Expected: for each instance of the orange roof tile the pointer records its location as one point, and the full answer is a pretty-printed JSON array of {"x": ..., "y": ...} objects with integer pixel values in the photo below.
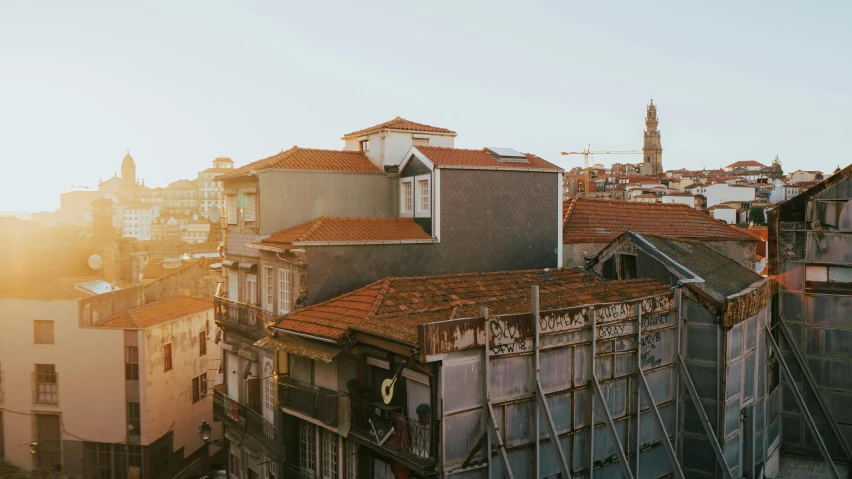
[
  {"x": 601, "y": 221},
  {"x": 399, "y": 123},
  {"x": 441, "y": 156},
  {"x": 744, "y": 163},
  {"x": 157, "y": 313},
  {"x": 325, "y": 229},
  {"x": 310, "y": 159},
  {"x": 393, "y": 307}
]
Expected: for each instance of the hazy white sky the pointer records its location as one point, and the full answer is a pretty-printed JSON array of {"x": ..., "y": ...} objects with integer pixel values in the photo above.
[{"x": 179, "y": 82}]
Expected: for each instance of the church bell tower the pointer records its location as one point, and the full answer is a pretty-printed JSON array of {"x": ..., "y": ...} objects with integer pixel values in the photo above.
[{"x": 652, "y": 149}]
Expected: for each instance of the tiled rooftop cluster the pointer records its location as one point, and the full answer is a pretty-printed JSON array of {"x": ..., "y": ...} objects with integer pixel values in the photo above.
[{"x": 601, "y": 221}]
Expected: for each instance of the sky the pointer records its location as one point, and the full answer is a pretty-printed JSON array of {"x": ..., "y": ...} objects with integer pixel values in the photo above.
[{"x": 180, "y": 83}]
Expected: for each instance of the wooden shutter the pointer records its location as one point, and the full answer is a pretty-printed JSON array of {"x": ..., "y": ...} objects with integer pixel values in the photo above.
[
  {"x": 231, "y": 209},
  {"x": 249, "y": 208},
  {"x": 253, "y": 386}
]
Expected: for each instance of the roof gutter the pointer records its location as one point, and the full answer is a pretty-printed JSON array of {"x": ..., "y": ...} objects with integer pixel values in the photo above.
[
  {"x": 305, "y": 335},
  {"x": 501, "y": 168}
]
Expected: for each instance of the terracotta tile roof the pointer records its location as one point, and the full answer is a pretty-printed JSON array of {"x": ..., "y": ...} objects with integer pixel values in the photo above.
[
  {"x": 678, "y": 193},
  {"x": 326, "y": 229},
  {"x": 399, "y": 123},
  {"x": 744, "y": 163},
  {"x": 393, "y": 307},
  {"x": 53, "y": 289},
  {"x": 601, "y": 221},
  {"x": 441, "y": 156},
  {"x": 310, "y": 159},
  {"x": 158, "y": 313}
]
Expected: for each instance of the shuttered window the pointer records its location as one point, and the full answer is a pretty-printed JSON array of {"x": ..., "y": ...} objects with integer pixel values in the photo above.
[
  {"x": 231, "y": 209},
  {"x": 249, "y": 208}
]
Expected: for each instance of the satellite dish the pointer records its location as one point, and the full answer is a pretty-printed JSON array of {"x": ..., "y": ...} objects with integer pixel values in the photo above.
[
  {"x": 213, "y": 215},
  {"x": 95, "y": 262}
]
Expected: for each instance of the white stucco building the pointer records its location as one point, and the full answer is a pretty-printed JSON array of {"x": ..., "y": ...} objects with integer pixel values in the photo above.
[
  {"x": 386, "y": 144},
  {"x": 718, "y": 193},
  {"x": 209, "y": 195},
  {"x": 726, "y": 213},
  {"x": 680, "y": 199},
  {"x": 136, "y": 219}
]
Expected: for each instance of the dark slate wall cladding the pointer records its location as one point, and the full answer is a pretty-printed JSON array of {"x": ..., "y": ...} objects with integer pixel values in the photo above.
[
  {"x": 413, "y": 168},
  {"x": 490, "y": 221}
]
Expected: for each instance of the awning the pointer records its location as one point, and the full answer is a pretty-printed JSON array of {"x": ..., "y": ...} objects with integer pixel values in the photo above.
[
  {"x": 230, "y": 264},
  {"x": 324, "y": 352},
  {"x": 250, "y": 267}
]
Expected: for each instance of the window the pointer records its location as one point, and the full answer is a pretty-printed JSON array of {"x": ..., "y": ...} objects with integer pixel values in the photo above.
[
  {"x": 628, "y": 266},
  {"x": 329, "y": 453},
  {"x": 351, "y": 451},
  {"x": 420, "y": 141},
  {"x": 134, "y": 419},
  {"x": 251, "y": 288},
  {"x": 307, "y": 447},
  {"x": 283, "y": 291},
  {"x": 43, "y": 332},
  {"x": 249, "y": 208},
  {"x": 196, "y": 390},
  {"x": 202, "y": 386},
  {"x": 269, "y": 287},
  {"x": 202, "y": 343},
  {"x": 364, "y": 145},
  {"x": 235, "y": 469},
  {"x": 269, "y": 394},
  {"x": 47, "y": 390},
  {"x": 131, "y": 363},
  {"x": 167, "y": 357},
  {"x": 231, "y": 209},
  {"x": 423, "y": 196},
  {"x": 406, "y": 197}
]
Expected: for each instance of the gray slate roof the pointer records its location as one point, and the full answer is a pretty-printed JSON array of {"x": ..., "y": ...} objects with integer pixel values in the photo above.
[{"x": 722, "y": 276}]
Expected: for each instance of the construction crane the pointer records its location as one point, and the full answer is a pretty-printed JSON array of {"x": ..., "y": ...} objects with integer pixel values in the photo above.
[{"x": 586, "y": 153}]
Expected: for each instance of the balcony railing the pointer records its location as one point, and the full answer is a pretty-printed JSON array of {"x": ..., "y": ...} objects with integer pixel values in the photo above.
[
  {"x": 396, "y": 432},
  {"x": 247, "y": 318},
  {"x": 242, "y": 417},
  {"x": 292, "y": 471},
  {"x": 313, "y": 401}
]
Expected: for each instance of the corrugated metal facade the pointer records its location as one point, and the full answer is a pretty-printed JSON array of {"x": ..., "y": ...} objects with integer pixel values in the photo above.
[{"x": 811, "y": 251}]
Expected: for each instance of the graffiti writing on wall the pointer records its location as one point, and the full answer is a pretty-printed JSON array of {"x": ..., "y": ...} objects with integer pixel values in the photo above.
[{"x": 649, "y": 349}]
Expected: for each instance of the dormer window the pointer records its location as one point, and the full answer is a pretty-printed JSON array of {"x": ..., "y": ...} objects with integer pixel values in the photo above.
[
  {"x": 364, "y": 145},
  {"x": 420, "y": 141},
  {"x": 406, "y": 197}
]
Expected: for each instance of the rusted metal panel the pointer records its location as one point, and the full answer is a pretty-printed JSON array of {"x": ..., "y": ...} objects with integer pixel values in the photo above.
[{"x": 748, "y": 303}]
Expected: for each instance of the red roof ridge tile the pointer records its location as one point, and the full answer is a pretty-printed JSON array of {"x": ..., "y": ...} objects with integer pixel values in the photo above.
[{"x": 400, "y": 123}]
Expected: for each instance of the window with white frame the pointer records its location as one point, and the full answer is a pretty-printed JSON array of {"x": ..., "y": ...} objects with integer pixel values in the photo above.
[
  {"x": 269, "y": 288},
  {"x": 351, "y": 451},
  {"x": 283, "y": 291},
  {"x": 307, "y": 447},
  {"x": 328, "y": 448},
  {"x": 269, "y": 393},
  {"x": 251, "y": 288},
  {"x": 406, "y": 197},
  {"x": 423, "y": 196}
]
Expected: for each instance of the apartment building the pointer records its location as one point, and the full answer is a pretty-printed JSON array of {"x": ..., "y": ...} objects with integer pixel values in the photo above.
[
  {"x": 389, "y": 204},
  {"x": 125, "y": 408}
]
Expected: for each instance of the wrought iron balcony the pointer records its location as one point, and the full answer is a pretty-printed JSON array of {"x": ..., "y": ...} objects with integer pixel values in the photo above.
[
  {"x": 239, "y": 416},
  {"x": 292, "y": 471},
  {"x": 389, "y": 428},
  {"x": 310, "y": 400},
  {"x": 246, "y": 318}
]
